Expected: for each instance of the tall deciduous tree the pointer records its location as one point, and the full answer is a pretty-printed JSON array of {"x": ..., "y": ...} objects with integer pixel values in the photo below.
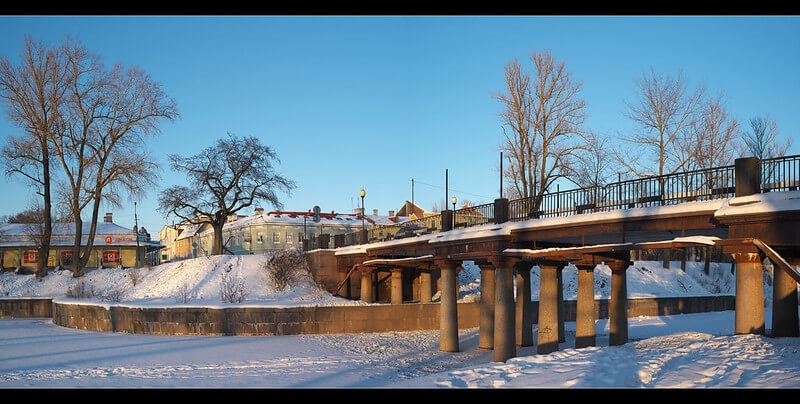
[
  {"x": 542, "y": 120},
  {"x": 223, "y": 179},
  {"x": 91, "y": 122},
  {"x": 102, "y": 147},
  {"x": 33, "y": 93},
  {"x": 716, "y": 135},
  {"x": 761, "y": 140},
  {"x": 665, "y": 114}
]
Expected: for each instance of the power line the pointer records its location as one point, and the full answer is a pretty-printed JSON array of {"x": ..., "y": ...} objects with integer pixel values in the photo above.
[{"x": 416, "y": 181}]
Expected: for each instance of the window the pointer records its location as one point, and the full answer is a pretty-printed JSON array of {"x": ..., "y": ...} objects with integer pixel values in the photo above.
[
  {"x": 276, "y": 237},
  {"x": 110, "y": 257},
  {"x": 300, "y": 237},
  {"x": 260, "y": 238},
  {"x": 30, "y": 257},
  {"x": 288, "y": 237},
  {"x": 66, "y": 257}
]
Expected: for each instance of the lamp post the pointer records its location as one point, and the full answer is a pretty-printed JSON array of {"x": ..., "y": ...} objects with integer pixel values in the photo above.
[
  {"x": 305, "y": 231},
  {"x": 363, "y": 193},
  {"x": 453, "y": 200}
]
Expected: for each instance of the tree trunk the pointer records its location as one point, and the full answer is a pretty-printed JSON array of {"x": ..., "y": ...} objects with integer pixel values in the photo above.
[
  {"x": 78, "y": 260},
  {"x": 217, "y": 226}
]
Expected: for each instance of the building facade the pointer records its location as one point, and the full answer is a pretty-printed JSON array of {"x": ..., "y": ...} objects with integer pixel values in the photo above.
[
  {"x": 265, "y": 232},
  {"x": 113, "y": 245}
]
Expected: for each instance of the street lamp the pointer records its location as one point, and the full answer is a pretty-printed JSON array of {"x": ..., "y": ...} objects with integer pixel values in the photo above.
[
  {"x": 453, "y": 200},
  {"x": 363, "y": 193}
]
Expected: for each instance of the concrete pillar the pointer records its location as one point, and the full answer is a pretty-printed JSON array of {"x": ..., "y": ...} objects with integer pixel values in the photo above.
[
  {"x": 447, "y": 220},
  {"x": 504, "y": 344},
  {"x": 784, "y": 302},
  {"x": 560, "y": 302},
  {"x": 397, "y": 285},
  {"x": 448, "y": 316},
  {"x": 425, "y": 287},
  {"x": 547, "y": 341},
  {"x": 524, "y": 319},
  {"x": 367, "y": 284},
  {"x": 500, "y": 210},
  {"x": 748, "y": 176},
  {"x": 345, "y": 290},
  {"x": 585, "y": 331},
  {"x": 486, "y": 325},
  {"x": 618, "y": 303},
  {"x": 749, "y": 316}
]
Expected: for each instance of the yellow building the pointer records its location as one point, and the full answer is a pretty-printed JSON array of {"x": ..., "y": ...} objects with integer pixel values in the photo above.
[
  {"x": 114, "y": 245},
  {"x": 274, "y": 231}
]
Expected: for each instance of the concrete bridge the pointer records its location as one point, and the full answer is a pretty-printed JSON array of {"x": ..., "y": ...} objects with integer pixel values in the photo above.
[{"x": 751, "y": 216}]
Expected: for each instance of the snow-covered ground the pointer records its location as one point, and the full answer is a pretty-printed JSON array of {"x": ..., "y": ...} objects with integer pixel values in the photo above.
[{"x": 679, "y": 351}]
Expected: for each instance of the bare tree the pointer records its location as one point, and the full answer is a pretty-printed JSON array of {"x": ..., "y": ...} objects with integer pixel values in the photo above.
[
  {"x": 542, "y": 121},
  {"x": 232, "y": 175},
  {"x": 717, "y": 137},
  {"x": 34, "y": 96},
  {"x": 594, "y": 167},
  {"x": 34, "y": 214},
  {"x": 101, "y": 142},
  {"x": 761, "y": 142},
  {"x": 666, "y": 114}
]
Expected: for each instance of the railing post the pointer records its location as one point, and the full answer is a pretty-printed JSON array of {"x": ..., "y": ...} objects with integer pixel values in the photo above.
[
  {"x": 500, "y": 210},
  {"x": 447, "y": 220},
  {"x": 748, "y": 176}
]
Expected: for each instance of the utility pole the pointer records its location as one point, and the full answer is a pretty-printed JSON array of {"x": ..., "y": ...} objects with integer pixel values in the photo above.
[{"x": 136, "y": 232}]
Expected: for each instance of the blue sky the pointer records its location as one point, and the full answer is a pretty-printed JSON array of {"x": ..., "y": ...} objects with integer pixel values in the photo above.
[{"x": 373, "y": 101}]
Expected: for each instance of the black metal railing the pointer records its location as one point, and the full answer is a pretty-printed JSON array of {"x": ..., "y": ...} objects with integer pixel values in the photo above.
[{"x": 777, "y": 174}]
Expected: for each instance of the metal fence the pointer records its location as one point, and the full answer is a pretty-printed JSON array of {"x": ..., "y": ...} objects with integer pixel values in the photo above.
[{"x": 777, "y": 174}]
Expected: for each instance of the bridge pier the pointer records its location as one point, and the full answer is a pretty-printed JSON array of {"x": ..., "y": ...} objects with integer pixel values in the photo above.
[
  {"x": 396, "y": 285},
  {"x": 425, "y": 286},
  {"x": 486, "y": 327},
  {"x": 448, "y": 316},
  {"x": 585, "y": 329},
  {"x": 618, "y": 303},
  {"x": 548, "y": 323},
  {"x": 749, "y": 317},
  {"x": 367, "y": 284},
  {"x": 524, "y": 321},
  {"x": 784, "y": 302},
  {"x": 504, "y": 316}
]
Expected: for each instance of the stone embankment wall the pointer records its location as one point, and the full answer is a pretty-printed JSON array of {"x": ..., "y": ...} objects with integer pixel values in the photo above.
[{"x": 305, "y": 320}]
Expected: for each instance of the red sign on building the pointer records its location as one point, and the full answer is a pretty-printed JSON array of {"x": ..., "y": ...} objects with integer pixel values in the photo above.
[
  {"x": 110, "y": 257},
  {"x": 30, "y": 257}
]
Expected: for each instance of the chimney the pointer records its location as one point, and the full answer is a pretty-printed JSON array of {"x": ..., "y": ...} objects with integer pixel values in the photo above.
[
  {"x": 391, "y": 213},
  {"x": 375, "y": 212},
  {"x": 107, "y": 219},
  {"x": 259, "y": 211}
]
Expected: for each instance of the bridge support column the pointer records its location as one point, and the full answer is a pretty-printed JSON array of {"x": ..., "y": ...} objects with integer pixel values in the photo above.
[
  {"x": 345, "y": 290},
  {"x": 618, "y": 303},
  {"x": 749, "y": 317},
  {"x": 397, "y": 285},
  {"x": 562, "y": 336},
  {"x": 784, "y": 302},
  {"x": 486, "y": 325},
  {"x": 548, "y": 323},
  {"x": 448, "y": 316},
  {"x": 524, "y": 306},
  {"x": 367, "y": 284},
  {"x": 425, "y": 287},
  {"x": 585, "y": 329},
  {"x": 504, "y": 344}
]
